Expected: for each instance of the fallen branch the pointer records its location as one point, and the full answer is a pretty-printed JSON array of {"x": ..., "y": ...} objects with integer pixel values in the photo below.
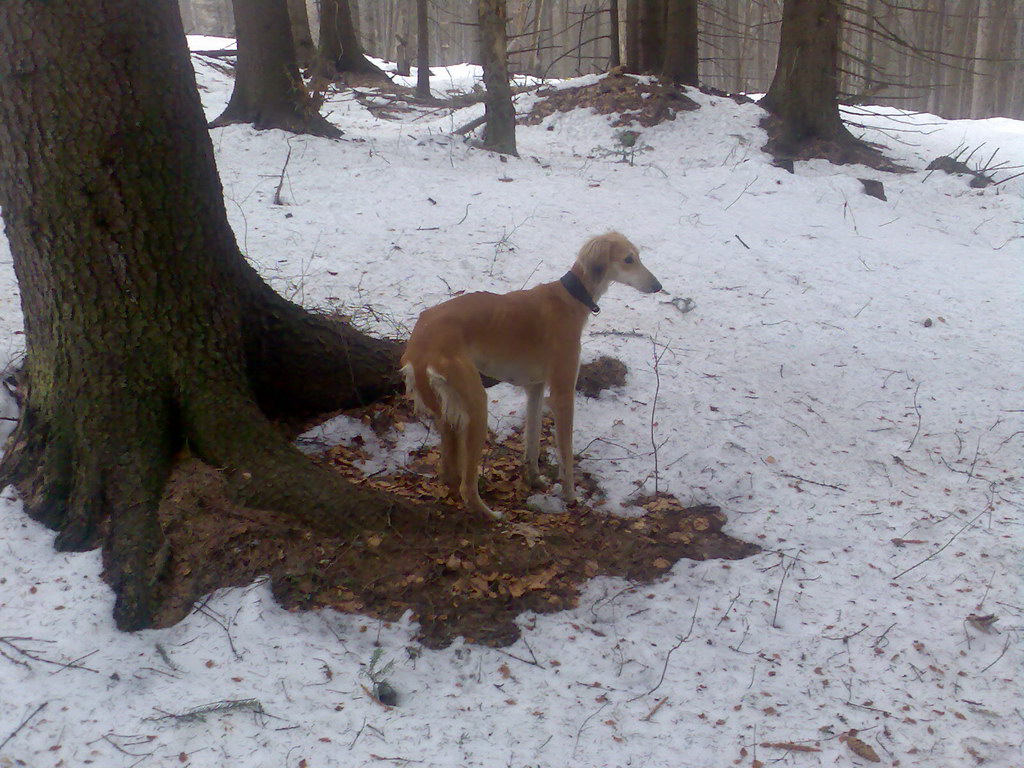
[
  {"x": 470, "y": 126},
  {"x": 215, "y": 707}
]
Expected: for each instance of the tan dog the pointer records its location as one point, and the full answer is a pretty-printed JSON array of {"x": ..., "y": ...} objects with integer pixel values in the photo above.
[{"x": 528, "y": 338}]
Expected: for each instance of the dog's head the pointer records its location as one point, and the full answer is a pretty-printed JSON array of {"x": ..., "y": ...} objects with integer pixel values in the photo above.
[{"x": 612, "y": 258}]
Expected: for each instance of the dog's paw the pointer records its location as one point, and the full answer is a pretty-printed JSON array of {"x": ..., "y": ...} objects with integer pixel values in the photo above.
[
  {"x": 493, "y": 514},
  {"x": 534, "y": 480}
]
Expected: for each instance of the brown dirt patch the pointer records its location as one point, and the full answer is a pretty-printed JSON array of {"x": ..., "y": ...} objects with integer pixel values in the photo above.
[
  {"x": 457, "y": 574},
  {"x": 598, "y": 375},
  {"x": 632, "y": 100}
]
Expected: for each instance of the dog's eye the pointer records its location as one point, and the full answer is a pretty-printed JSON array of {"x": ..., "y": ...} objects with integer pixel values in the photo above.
[{"x": 629, "y": 259}]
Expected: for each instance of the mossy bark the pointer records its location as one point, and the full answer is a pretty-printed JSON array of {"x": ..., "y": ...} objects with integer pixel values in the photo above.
[{"x": 148, "y": 336}]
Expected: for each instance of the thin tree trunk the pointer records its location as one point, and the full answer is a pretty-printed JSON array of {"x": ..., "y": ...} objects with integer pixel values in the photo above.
[
  {"x": 615, "y": 59},
  {"x": 422, "y": 50},
  {"x": 500, "y": 133},
  {"x": 633, "y": 35}
]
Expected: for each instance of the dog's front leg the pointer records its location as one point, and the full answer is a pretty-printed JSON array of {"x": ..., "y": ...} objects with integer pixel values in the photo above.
[
  {"x": 531, "y": 433},
  {"x": 562, "y": 402}
]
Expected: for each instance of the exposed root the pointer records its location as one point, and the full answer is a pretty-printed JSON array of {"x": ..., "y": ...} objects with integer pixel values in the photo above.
[{"x": 842, "y": 149}]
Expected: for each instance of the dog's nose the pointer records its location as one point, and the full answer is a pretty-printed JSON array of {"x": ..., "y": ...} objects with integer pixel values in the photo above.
[{"x": 656, "y": 287}]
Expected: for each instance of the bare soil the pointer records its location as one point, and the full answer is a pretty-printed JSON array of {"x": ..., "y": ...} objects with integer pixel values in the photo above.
[{"x": 457, "y": 574}]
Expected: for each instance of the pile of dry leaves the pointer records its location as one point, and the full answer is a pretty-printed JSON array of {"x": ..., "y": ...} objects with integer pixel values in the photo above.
[
  {"x": 634, "y": 100},
  {"x": 459, "y": 575}
]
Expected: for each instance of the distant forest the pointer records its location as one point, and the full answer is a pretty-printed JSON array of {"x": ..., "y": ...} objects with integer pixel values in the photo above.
[{"x": 955, "y": 58}]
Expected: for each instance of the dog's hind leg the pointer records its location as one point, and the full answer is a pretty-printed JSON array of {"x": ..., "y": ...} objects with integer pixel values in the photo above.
[
  {"x": 531, "y": 433},
  {"x": 450, "y": 469},
  {"x": 471, "y": 450},
  {"x": 464, "y": 411}
]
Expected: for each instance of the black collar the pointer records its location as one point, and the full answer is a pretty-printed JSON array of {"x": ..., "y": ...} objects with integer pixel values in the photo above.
[{"x": 578, "y": 291}]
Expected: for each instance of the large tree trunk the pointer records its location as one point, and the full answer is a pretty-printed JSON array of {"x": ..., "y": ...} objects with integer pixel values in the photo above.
[
  {"x": 268, "y": 90},
  {"x": 500, "y": 133},
  {"x": 680, "y": 57},
  {"x": 340, "y": 50},
  {"x": 804, "y": 92},
  {"x": 148, "y": 336}
]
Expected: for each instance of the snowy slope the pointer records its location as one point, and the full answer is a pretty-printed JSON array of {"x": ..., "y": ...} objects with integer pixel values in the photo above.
[{"x": 875, "y": 456}]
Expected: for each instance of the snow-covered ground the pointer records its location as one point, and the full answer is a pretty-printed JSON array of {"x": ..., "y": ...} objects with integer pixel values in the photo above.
[{"x": 848, "y": 389}]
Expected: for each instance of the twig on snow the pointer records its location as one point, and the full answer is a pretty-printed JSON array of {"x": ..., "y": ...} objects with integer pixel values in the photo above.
[
  {"x": 583, "y": 725},
  {"x": 917, "y": 409},
  {"x": 1001, "y": 654},
  {"x": 654, "y": 405},
  {"x": 778, "y": 593},
  {"x": 661, "y": 702},
  {"x": 24, "y": 722},
  {"x": 741, "y": 194},
  {"x": 12, "y": 643},
  {"x": 280, "y": 182},
  {"x": 664, "y": 668},
  {"x": 966, "y": 525},
  {"x": 226, "y": 705},
  {"x": 812, "y": 482}
]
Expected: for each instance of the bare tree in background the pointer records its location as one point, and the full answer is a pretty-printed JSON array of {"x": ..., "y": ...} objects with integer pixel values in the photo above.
[
  {"x": 500, "y": 130},
  {"x": 804, "y": 95},
  {"x": 340, "y": 50},
  {"x": 268, "y": 91},
  {"x": 305, "y": 50},
  {"x": 422, "y": 50},
  {"x": 661, "y": 38},
  {"x": 679, "y": 59}
]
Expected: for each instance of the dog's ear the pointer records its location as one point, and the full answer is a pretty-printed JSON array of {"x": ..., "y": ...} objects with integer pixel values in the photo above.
[{"x": 595, "y": 256}]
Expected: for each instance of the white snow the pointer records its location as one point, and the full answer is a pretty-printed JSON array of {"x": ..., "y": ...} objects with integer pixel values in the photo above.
[{"x": 876, "y": 457}]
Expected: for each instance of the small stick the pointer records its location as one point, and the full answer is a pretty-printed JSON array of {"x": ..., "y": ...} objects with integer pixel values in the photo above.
[
  {"x": 37, "y": 710},
  {"x": 813, "y": 482},
  {"x": 659, "y": 705},
  {"x": 664, "y": 668},
  {"x": 966, "y": 525},
  {"x": 778, "y": 594},
  {"x": 986, "y": 669},
  {"x": 917, "y": 408},
  {"x": 280, "y": 183},
  {"x": 583, "y": 725}
]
